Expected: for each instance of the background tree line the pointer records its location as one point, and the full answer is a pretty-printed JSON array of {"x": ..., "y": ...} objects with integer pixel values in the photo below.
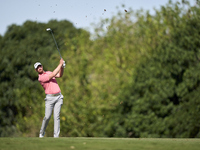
[{"x": 138, "y": 77}]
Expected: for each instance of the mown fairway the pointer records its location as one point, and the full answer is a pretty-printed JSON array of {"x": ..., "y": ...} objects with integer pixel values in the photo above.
[{"x": 98, "y": 144}]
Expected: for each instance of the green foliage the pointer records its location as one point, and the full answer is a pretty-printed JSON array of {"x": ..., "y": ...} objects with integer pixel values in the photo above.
[
  {"x": 162, "y": 99},
  {"x": 21, "y": 95}
]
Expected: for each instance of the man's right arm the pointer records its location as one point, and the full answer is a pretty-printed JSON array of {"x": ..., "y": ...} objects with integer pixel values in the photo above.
[{"x": 56, "y": 71}]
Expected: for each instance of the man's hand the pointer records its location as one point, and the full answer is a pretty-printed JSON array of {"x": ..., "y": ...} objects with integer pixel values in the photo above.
[
  {"x": 63, "y": 65},
  {"x": 62, "y": 61}
]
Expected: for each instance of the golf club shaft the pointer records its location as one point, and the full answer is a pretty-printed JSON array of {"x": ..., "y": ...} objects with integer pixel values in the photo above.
[{"x": 56, "y": 44}]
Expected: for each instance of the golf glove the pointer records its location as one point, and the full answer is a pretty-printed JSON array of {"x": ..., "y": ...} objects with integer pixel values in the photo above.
[{"x": 63, "y": 65}]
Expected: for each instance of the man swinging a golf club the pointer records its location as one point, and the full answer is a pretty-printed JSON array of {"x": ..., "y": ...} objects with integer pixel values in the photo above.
[{"x": 54, "y": 98}]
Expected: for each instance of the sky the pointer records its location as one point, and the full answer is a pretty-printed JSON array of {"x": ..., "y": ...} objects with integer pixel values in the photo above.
[{"x": 82, "y": 13}]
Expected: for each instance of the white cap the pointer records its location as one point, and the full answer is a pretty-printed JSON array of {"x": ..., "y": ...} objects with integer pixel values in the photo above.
[{"x": 37, "y": 64}]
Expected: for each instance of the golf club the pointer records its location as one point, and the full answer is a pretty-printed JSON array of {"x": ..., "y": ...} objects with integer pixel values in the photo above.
[{"x": 49, "y": 29}]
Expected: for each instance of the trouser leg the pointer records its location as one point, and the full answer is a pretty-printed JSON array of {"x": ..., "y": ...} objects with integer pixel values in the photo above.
[
  {"x": 48, "y": 112},
  {"x": 57, "y": 109}
]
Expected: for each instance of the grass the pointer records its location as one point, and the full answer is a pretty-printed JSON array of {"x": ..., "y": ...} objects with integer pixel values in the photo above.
[{"x": 98, "y": 144}]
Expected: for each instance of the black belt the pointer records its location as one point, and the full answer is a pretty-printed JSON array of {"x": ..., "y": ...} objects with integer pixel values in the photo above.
[{"x": 57, "y": 94}]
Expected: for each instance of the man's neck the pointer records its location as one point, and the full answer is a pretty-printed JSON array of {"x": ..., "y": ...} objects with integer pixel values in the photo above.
[{"x": 42, "y": 72}]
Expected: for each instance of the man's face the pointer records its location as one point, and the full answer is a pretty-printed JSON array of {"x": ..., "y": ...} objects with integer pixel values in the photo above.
[{"x": 39, "y": 69}]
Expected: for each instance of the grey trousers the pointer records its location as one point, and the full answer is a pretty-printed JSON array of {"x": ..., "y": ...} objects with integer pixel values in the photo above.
[{"x": 52, "y": 102}]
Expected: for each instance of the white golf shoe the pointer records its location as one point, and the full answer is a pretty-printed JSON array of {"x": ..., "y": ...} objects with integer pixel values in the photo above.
[{"x": 41, "y": 135}]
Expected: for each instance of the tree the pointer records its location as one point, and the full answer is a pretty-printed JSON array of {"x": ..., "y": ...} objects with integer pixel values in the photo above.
[
  {"x": 20, "y": 94},
  {"x": 162, "y": 99}
]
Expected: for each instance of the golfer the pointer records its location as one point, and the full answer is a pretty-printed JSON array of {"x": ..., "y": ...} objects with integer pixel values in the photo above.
[{"x": 54, "y": 98}]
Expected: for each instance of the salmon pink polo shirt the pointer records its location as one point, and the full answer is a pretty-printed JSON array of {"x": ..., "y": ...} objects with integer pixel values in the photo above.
[{"x": 50, "y": 86}]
